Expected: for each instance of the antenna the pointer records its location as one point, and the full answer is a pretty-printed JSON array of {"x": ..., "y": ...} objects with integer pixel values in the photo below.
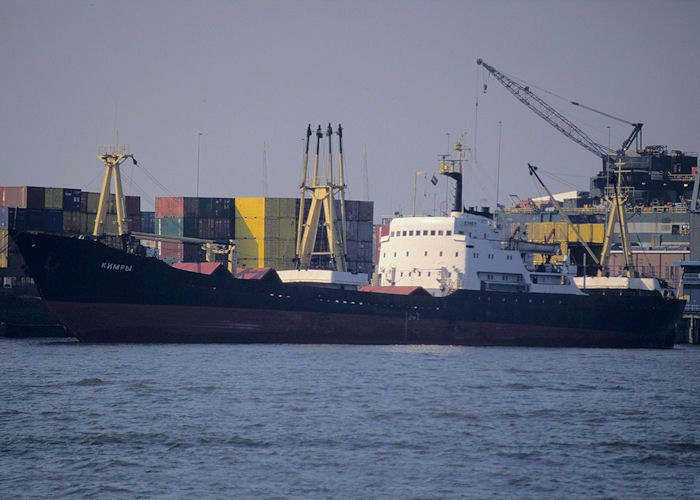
[
  {"x": 264, "y": 171},
  {"x": 365, "y": 173}
]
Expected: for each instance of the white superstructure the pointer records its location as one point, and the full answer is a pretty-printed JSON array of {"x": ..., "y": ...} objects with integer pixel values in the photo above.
[{"x": 462, "y": 251}]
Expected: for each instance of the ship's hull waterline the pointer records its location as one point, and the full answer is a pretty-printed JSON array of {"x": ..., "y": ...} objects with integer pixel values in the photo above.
[{"x": 105, "y": 295}]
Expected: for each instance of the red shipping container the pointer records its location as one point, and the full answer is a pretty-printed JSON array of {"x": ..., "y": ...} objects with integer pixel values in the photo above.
[
  {"x": 23, "y": 197},
  {"x": 177, "y": 206},
  {"x": 188, "y": 252},
  {"x": 170, "y": 250},
  {"x": 206, "y": 228}
]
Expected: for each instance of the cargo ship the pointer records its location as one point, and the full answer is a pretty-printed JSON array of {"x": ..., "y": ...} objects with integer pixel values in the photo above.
[
  {"x": 102, "y": 294},
  {"x": 447, "y": 280}
]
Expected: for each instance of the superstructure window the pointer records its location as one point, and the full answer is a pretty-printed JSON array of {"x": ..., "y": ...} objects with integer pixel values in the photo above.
[
  {"x": 425, "y": 232},
  {"x": 406, "y": 254},
  {"x": 456, "y": 254},
  {"x": 440, "y": 232},
  {"x": 448, "y": 233},
  {"x": 432, "y": 232},
  {"x": 410, "y": 233},
  {"x": 426, "y": 253},
  {"x": 440, "y": 253},
  {"x": 404, "y": 234},
  {"x": 392, "y": 234}
]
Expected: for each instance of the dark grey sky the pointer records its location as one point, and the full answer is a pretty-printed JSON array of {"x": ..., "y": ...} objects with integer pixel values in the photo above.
[{"x": 399, "y": 76}]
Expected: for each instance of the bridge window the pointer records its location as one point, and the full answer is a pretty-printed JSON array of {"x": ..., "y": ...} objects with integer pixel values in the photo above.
[
  {"x": 404, "y": 234},
  {"x": 432, "y": 232},
  {"x": 410, "y": 233},
  {"x": 425, "y": 232},
  {"x": 448, "y": 233},
  {"x": 440, "y": 232}
]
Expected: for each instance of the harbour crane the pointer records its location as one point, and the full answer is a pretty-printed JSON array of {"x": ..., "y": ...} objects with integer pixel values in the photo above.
[
  {"x": 563, "y": 124},
  {"x": 570, "y": 130}
]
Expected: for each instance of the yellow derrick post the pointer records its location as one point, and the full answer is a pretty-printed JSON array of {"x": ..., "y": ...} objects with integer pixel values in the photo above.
[
  {"x": 617, "y": 215},
  {"x": 112, "y": 156},
  {"x": 321, "y": 199}
]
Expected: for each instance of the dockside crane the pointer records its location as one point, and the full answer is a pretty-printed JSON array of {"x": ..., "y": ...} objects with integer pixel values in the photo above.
[
  {"x": 563, "y": 124},
  {"x": 608, "y": 155}
]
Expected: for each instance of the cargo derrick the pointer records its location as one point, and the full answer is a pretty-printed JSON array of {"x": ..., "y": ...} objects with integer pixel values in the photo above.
[
  {"x": 112, "y": 156},
  {"x": 322, "y": 199}
]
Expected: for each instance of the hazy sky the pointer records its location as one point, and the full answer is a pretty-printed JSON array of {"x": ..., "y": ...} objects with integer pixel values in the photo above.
[{"x": 399, "y": 76}]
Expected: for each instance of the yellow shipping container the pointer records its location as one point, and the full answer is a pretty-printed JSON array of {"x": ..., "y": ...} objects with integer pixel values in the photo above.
[
  {"x": 591, "y": 233},
  {"x": 539, "y": 231},
  {"x": 53, "y": 198},
  {"x": 4, "y": 247},
  {"x": 250, "y": 252},
  {"x": 250, "y": 207}
]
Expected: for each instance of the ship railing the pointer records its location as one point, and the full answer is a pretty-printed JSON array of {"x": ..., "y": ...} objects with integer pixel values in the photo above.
[{"x": 603, "y": 210}]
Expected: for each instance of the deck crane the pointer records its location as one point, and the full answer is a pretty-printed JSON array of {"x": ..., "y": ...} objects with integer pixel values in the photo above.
[{"x": 563, "y": 124}]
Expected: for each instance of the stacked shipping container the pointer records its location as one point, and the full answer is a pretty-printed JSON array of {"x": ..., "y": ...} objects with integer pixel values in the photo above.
[
  {"x": 266, "y": 232},
  {"x": 359, "y": 229},
  {"x": 58, "y": 210},
  {"x": 206, "y": 218}
]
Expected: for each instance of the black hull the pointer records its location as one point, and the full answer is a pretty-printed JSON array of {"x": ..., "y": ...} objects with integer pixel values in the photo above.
[{"x": 104, "y": 295}]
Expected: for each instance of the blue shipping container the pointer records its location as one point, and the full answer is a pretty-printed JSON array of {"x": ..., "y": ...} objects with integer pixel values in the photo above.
[
  {"x": 53, "y": 221},
  {"x": 35, "y": 219},
  {"x": 148, "y": 222},
  {"x": 72, "y": 199}
]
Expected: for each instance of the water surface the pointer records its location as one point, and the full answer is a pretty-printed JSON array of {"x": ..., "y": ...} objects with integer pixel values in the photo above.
[{"x": 283, "y": 421}]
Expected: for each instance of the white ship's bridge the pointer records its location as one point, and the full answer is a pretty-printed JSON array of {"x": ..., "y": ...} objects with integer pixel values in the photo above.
[{"x": 462, "y": 251}]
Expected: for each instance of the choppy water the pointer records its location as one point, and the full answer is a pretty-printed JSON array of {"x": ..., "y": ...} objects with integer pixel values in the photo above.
[{"x": 280, "y": 421}]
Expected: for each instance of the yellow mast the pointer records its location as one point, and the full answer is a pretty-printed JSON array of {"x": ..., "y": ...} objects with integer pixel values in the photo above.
[
  {"x": 617, "y": 216},
  {"x": 321, "y": 199},
  {"x": 112, "y": 156}
]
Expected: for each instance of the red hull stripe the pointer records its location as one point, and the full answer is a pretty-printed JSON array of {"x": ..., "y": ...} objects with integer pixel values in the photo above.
[{"x": 165, "y": 323}]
